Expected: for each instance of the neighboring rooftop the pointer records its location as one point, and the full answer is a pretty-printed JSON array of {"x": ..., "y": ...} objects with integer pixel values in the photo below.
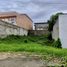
[
  {"x": 41, "y": 23},
  {"x": 8, "y": 14}
]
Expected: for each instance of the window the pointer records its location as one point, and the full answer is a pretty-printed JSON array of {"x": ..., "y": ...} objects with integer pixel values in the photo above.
[{"x": 13, "y": 20}]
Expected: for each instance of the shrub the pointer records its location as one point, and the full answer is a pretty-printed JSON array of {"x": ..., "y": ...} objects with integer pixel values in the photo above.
[
  {"x": 57, "y": 44},
  {"x": 13, "y": 37},
  {"x": 25, "y": 41},
  {"x": 49, "y": 36},
  {"x": 53, "y": 20}
]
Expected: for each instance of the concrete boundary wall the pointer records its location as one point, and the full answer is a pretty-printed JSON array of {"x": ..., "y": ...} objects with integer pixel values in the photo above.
[
  {"x": 38, "y": 32},
  {"x": 10, "y": 29}
]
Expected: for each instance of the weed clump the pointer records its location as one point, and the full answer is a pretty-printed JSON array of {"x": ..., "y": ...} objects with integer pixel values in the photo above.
[
  {"x": 57, "y": 44},
  {"x": 25, "y": 41}
]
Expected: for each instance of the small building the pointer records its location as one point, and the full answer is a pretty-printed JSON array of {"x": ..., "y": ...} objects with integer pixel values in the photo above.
[
  {"x": 60, "y": 29},
  {"x": 21, "y": 20},
  {"x": 40, "y": 29},
  {"x": 41, "y": 26}
]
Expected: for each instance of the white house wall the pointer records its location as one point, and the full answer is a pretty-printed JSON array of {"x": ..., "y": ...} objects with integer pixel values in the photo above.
[
  {"x": 55, "y": 32},
  {"x": 63, "y": 30}
]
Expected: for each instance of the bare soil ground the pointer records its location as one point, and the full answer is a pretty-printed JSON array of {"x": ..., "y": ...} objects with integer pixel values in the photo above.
[
  {"x": 21, "y": 60},
  {"x": 18, "y": 60}
]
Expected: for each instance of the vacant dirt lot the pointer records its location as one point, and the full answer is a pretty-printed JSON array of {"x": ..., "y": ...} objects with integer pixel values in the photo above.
[
  {"x": 24, "y": 60},
  {"x": 19, "y": 60}
]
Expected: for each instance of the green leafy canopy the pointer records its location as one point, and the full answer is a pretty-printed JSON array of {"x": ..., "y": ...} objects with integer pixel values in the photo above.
[{"x": 53, "y": 20}]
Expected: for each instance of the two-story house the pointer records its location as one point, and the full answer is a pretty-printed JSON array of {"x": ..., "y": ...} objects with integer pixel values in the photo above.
[{"x": 21, "y": 20}]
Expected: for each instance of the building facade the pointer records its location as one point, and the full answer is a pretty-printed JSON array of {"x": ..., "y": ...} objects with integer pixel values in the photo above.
[
  {"x": 21, "y": 20},
  {"x": 60, "y": 30},
  {"x": 41, "y": 26}
]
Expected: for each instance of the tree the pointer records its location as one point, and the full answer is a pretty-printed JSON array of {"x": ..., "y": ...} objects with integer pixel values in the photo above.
[{"x": 52, "y": 21}]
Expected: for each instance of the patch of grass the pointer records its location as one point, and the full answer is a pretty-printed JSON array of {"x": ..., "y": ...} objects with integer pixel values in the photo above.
[{"x": 30, "y": 44}]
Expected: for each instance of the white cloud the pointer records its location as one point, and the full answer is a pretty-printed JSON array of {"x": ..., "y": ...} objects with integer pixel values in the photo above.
[{"x": 38, "y": 10}]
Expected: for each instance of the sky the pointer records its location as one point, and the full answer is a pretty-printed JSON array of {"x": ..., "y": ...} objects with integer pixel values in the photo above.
[{"x": 38, "y": 10}]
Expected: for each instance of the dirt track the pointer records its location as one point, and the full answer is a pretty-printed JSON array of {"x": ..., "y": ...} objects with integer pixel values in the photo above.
[
  {"x": 19, "y": 62},
  {"x": 7, "y": 60},
  {"x": 24, "y": 60}
]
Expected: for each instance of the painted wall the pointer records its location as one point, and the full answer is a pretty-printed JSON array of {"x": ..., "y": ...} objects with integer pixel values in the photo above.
[
  {"x": 63, "y": 29},
  {"x": 55, "y": 32},
  {"x": 24, "y": 22},
  {"x": 60, "y": 30}
]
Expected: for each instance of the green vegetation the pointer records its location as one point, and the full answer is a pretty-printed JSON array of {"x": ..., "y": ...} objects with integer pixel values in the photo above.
[
  {"x": 57, "y": 44},
  {"x": 52, "y": 21},
  {"x": 35, "y": 44},
  {"x": 49, "y": 36}
]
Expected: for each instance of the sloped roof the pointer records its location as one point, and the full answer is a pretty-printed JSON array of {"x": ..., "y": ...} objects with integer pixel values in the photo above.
[
  {"x": 8, "y": 14},
  {"x": 12, "y": 14}
]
